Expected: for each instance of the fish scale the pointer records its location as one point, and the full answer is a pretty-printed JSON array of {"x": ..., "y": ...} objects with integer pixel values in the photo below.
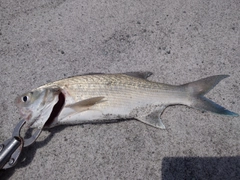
[
  {"x": 99, "y": 97},
  {"x": 114, "y": 80}
]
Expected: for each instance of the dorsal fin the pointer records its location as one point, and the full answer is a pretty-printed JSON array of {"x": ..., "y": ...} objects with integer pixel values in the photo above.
[
  {"x": 85, "y": 74},
  {"x": 94, "y": 73},
  {"x": 140, "y": 74}
]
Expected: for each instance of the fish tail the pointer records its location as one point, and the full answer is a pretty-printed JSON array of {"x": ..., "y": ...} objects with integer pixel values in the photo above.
[{"x": 198, "y": 89}]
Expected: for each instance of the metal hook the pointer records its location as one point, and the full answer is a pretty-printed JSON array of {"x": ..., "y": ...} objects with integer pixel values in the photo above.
[
  {"x": 17, "y": 129},
  {"x": 11, "y": 149},
  {"x": 32, "y": 139},
  {"x": 27, "y": 141}
]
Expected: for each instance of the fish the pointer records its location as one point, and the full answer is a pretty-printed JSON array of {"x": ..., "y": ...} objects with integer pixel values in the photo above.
[{"x": 93, "y": 98}]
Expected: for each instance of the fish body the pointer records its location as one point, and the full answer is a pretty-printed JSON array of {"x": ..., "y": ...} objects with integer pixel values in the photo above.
[{"x": 106, "y": 97}]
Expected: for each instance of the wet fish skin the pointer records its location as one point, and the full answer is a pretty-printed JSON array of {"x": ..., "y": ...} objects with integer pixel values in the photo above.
[
  {"x": 99, "y": 97},
  {"x": 31, "y": 104}
]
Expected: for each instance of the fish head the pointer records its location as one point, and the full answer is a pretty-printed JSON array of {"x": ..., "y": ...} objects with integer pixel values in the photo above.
[{"x": 36, "y": 106}]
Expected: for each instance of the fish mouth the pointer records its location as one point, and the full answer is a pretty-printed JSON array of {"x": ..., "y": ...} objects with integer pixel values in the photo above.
[{"x": 57, "y": 108}]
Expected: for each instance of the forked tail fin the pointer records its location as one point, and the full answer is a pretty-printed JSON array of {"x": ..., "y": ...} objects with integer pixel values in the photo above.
[{"x": 198, "y": 88}]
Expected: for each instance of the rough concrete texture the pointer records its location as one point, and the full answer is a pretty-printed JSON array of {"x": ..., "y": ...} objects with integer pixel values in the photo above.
[{"x": 179, "y": 41}]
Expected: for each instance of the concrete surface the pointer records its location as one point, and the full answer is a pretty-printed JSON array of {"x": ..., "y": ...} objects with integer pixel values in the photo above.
[{"x": 179, "y": 41}]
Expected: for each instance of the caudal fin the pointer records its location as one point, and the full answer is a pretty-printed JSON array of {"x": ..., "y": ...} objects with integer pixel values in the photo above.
[{"x": 198, "y": 88}]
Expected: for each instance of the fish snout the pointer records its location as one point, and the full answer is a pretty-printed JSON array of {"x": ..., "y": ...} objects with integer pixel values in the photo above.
[{"x": 18, "y": 101}]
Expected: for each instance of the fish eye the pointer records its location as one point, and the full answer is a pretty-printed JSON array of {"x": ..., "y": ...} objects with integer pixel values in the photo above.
[{"x": 25, "y": 98}]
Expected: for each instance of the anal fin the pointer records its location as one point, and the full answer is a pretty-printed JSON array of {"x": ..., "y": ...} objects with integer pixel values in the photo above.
[{"x": 154, "y": 118}]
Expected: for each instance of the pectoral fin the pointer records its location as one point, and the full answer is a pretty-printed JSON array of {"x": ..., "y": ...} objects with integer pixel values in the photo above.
[
  {"x": 85, "y": 104},
  {"x": 153, "y": 119}
]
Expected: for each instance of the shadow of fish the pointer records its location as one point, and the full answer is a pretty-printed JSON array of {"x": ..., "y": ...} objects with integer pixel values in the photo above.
[{"x": 100, "y": 97}]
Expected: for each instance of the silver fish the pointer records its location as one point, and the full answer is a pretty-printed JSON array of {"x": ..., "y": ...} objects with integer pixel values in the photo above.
[{"x": 100, "y": 97}]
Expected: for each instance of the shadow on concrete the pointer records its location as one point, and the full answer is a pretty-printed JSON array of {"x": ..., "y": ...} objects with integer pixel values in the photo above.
[
  {"x": 173, "y": 168},
  {"x": 198, "y": 168},
  {"x": 28, "y": 154}
]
